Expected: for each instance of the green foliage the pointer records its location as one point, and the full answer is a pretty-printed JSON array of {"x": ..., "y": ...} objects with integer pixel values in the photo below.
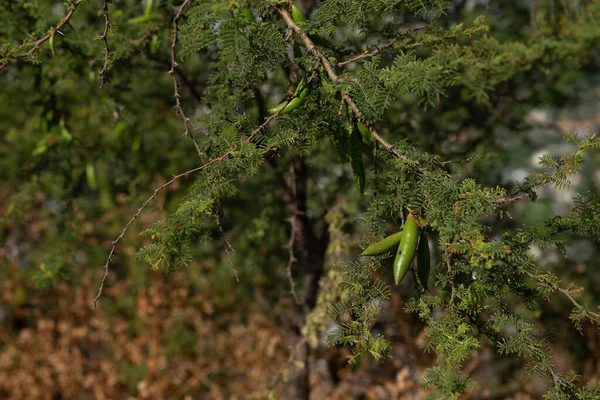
[
  {"x": 362, "y": 305},
  {"x": 76, "y": 154}
]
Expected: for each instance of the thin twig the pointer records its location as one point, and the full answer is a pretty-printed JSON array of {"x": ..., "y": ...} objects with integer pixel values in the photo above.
[
  {"x": 466, "y": 160},
  {"x": 139, "y": 212},
  {"x": 36, "y": 45},
  {"x": 566, "y": 292},
  {"x": 379, "y": 49},
  {"x": 228, "y": 247},
  {"x": 104, "y": 38},
  {"x": 510, "y": 199},
  {"x": 293, "y": 350},
  {"x": 167, "y": 184},
  {"x": 310, "y": 46},
  {"x": 178, "y": 107},
  {"x": 520, "y": 193},
  {"x": 452, "y": 284}
]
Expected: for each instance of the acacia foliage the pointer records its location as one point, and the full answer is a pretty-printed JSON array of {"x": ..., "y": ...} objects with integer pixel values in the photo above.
[{"x": 245, "y": 54}]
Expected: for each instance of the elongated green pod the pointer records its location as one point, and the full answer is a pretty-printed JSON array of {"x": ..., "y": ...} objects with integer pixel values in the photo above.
[
  {"x": 340, "y": 141},
  {"x": 298, "y": 18},
  {"x": 90, "y": 174},
  {"x": 51, "y": 41},
  {"x": 143, "y": 19},
  {"x": 292, "y": 105},
  {"x": 365, "y": 134},
  {"x": 406, "y": 249},
  {"x": 149, "y": 7},
  {"x": 300, "y": 86},
  {"x": 355, "y": 152},
  {"x": 423, "y": 260},
  {"x": 383, "y": 246},
  {"x": 297, "y": 15},
  {"x": 154, "y": 45}
]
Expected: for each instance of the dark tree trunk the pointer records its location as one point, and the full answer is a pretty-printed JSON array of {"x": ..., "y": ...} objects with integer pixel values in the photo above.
[{"x": 310, "y": 248}]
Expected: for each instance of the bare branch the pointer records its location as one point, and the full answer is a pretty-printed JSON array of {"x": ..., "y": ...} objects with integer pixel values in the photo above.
[
  {"x": 466, "y": 160},
  {"x": 104, "y": 38},
  {"x": 169, "y": 183},
  {"x": 510, "y": 199},
  {"x": 228, "y": 247},
  {"x": 567, "y": 292},
  {"x": 178, "y": 107},
  {"x": 139, "y": 212}
]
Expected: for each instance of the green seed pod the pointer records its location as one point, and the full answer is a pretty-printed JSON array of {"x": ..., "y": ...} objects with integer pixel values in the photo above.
[
  {"x": 365, "y": 134},
  {"x": 406, "y": 249},
  {"x": 149, "y": 7},
  {"x": 300, "y": 86},
  {"x": 355, "y": 152},
  {"x": 423, "y": 260},
  {"x": 154, "y": 45},
  {"x": 51, "y": 41},
  {"x": 383, "y": 246},
  {"x": 292, "y": 105},
  {"x": 143, "y": 19},
  {"x": 340, "y": 141},
  {"x": 297, "y": 15},
  {"x": 90, "y": 174}
]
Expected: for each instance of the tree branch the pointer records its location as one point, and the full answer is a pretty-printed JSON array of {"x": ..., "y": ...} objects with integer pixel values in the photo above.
[
  {"x": 36, "y": 45},
  {"x": 178, "y": 107},
  {"x": 310, "y": 46},
  {"x": 104, "y": 38},
  {"x": 228, "y": 247},
  {"x": 567, "y": 293},
  {"x": 379, "y": 49},
  {"x": 139, "y": 212},
  {"x": 167, "y": 184}
]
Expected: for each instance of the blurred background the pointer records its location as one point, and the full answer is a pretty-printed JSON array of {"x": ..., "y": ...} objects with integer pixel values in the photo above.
[{"x": 76, "y": 161}]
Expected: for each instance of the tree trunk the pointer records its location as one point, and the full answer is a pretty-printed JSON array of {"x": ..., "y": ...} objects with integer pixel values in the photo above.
[{"x": 311, "y": 250}]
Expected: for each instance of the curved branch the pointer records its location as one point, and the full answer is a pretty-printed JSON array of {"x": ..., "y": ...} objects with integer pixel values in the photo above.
[{"x": 224, "y": 156}]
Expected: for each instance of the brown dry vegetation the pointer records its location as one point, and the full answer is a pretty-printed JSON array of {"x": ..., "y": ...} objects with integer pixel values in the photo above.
[{"x": 162, "y": 340}]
